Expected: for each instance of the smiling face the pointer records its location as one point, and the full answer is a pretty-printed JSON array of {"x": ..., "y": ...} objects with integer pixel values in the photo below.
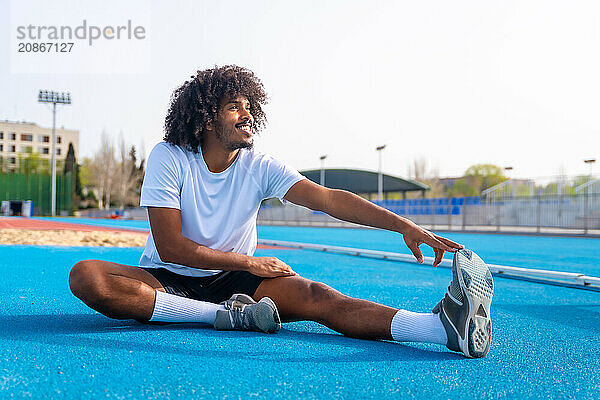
[{"x": 234, "y": 124}]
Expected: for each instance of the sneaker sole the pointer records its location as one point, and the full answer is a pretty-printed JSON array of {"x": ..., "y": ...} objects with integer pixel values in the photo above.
[{"x": 477, "y": 287}]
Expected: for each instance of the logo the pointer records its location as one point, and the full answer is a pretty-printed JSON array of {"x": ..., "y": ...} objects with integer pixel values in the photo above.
[{"x": 84, "y": 32}]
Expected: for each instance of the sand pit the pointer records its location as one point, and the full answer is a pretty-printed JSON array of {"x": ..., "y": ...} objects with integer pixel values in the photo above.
[{"x": 72, "y": 238}]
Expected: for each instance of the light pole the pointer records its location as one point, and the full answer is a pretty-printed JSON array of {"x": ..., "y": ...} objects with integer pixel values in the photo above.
[
  {"x": 512, "y": 189},
  {"x": 591, "y": 162},
  {"x": 380, "y": 175},
  {"x": 49, "y": 96},
  {"x": 323, "y": 157}
]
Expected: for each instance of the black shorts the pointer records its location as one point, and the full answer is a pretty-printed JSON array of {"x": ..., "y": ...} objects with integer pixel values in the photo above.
[{"x": 214, "y": 289}]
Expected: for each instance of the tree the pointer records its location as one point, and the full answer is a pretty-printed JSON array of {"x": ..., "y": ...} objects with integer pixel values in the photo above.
[
  {"x": 462, "y": 187},
  {"x": 88, "y": 180},
  {"x": 126, "y": 179},
  {"x": 70, "y": 160},
  {"x": 484, "y": 176},
  {"x": 32, "y": 163},
  {"x": 110, "y": 180},
  {"x": 74, "y": 168},
  {"x": 138, "y": 174},
  {"x": 103, "y": 168},
  {"x": 417, "y": 170},
  {"x": 89, "y": 184}
]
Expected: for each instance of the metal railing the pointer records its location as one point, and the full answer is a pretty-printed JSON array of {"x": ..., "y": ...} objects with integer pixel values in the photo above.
[
  {"x": 578, "y": 214},
  {"x": 135, "y": 213},
  {"x": 590, "y": 186},
  {"x": 560, "y": 278},
  {"x": 560, "y": 214}
]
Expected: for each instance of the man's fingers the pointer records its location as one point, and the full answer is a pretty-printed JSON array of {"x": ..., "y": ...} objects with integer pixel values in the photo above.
[
  {"x": 287, "y": 269},
  {"x": 414, "y": 237},
  {"x": 416, "y": 252},
  {"x": 282, "y": 272},
  {"x": 449, "y": 242},
  {"x": 437, "y": 244},
  {"x": 439, "y": 254}
]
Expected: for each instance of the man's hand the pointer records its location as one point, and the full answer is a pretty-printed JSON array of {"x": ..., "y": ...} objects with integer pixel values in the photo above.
[
  {"x": 269, "y": 267},
  {"x": 414, "y": 235}
]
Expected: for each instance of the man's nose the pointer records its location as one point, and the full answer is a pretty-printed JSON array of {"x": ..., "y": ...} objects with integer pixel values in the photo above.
[{"x": 245, "y": 114}]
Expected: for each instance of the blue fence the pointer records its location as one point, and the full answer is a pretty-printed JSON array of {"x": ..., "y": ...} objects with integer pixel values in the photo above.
[
  {"x": 564, "y": 212},
  {"x": 439, "y": 206}
]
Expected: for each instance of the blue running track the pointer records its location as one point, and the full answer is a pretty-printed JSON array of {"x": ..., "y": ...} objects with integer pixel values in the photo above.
[{"x": 546, "y": 338}]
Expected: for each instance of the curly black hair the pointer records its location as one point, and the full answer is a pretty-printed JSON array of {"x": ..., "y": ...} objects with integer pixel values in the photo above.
[{"x": 197, "y": 101}]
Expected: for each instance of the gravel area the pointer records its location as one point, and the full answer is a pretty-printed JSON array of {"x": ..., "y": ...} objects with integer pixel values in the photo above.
[{"x": 72, "y": 238}]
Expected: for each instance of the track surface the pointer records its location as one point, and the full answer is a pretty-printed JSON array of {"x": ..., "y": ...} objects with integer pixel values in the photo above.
[
  {"x": 541, "y": 252},
  {"x": 48, "y": 224},
  {"x": 546, "y": 339}
]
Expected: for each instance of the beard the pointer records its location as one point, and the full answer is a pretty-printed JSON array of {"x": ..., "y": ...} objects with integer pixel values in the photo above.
[{"x": 226, "y": 137}]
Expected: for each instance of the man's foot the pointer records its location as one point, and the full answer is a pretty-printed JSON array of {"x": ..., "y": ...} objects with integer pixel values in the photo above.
[
  {"x": 465, "y": 309},
  {"x": 243, "y": 313}
]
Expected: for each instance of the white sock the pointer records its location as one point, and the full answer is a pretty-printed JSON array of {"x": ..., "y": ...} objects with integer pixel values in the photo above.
[
  {"x": 171, "y": 308},
  {"x": 408, "y": 326}
]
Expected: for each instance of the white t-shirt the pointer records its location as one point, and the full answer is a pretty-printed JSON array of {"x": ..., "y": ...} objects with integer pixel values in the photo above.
[{"x": 218, "y": 210}]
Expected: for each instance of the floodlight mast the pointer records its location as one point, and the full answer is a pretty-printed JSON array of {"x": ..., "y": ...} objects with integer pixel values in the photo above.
[
  {"x": 49, "y": 96},
  {"x": 322, "y": 158},
  {"x": 380, "y": 173},
  {"x": 510, "y": 181},
  {"x": 590, "y": 162}
]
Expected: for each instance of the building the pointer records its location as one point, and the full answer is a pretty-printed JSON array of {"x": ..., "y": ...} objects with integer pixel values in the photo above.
[
  {"x": 364, "y": 182},
  {"x": 22, "y": 138}
]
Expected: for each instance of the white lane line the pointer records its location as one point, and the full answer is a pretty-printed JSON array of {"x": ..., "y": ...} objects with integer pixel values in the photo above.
[{"x": 570, "y": 279}]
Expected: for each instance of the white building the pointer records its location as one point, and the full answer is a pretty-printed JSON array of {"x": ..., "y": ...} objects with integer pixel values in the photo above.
[{"x": 22, "y": 138}]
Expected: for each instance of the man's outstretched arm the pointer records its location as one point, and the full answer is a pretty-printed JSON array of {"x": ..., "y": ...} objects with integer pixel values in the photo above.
[{"x": 352, "y": 208}]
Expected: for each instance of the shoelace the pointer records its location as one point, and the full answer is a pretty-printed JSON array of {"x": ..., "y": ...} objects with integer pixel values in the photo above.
[{"x": 237, "y": 314}]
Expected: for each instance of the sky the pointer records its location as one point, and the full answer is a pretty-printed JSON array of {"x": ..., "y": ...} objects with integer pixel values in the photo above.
[{"x": 512, "y": 83}]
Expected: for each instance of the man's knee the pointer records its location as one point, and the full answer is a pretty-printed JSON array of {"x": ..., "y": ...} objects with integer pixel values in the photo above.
[{"x": 85, "y": 281}]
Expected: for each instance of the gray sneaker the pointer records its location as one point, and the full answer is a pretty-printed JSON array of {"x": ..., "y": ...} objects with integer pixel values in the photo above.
[
  {"x": 243, "y": 313},
  {"x": 242, "y": 299},
  {"x": 465, "y": 309}
]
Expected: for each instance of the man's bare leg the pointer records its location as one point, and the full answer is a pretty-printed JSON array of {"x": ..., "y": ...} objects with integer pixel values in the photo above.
[
  {"x": 115, "y": 290},
  {"x": 124, "y": 292},
  {"x": 298, "y": 298}
]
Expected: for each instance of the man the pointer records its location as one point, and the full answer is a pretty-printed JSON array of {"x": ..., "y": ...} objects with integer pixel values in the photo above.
[{"x": 203, "y": 188}]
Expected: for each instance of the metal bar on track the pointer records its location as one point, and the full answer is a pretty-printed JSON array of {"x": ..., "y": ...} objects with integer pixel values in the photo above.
[{"x": 569, "y": 279}]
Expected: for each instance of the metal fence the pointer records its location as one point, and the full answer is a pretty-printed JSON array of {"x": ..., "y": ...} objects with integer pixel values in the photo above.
[
  {"x": 135, "y": 213},
  {"x": 37, "y": 188},
  {"x": 576, "y": 212},
  {"x": 580, "y": 213}
]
